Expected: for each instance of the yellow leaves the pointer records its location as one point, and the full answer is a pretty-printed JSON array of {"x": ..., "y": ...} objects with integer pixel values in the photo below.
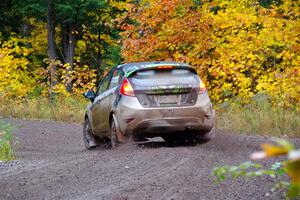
[
  {"x": 120, "y": 5},
  {"x": 19, "y": 77},
  {"x": 60, "y": 89},
  {"x": 272, "y": 150},
  {"x": 38, "y": 35},
  {"x": 83, "y": 77},
  {"x": 282, "y": 85},
  {"x": 282, "y": 147},
  {"x": 16, "y": 77},
  {"x": 81, "y": 46},
  {"x": 293, "y": 170}
]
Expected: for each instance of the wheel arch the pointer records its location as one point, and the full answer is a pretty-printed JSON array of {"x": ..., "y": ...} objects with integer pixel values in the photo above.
[
  {"x": 89, "y": 117},
  {"x": 120, "y": 135},
  {"x": 111, "y": 115}
]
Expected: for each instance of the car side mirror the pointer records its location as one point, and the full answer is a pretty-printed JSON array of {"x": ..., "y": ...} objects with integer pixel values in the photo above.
[{"x": 90, "y": 95}]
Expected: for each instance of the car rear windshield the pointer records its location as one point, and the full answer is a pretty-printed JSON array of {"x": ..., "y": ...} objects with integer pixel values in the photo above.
[
  {"x": 165, "y": 87},
  {"x": 153, "y": 72},
  {"x": 164, "y": 77}
]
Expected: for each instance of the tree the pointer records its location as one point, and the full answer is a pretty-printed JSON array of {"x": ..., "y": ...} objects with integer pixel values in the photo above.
[
  {"x": 52, "y": 55},
  {"x": 71, "y": 15},
  {"x": 10, "y": 19},
  {"x": 89, "y": 23}
]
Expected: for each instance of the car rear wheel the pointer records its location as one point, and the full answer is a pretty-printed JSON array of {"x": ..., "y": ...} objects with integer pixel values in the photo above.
[
  {"x": 88, "y": 138},
  {"x": 209, "y": 135}
]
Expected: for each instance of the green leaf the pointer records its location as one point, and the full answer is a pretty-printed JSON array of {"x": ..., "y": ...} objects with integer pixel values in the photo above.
[
  {"x": 294, "y": 191},
  {"x": 285, "y": 144}
]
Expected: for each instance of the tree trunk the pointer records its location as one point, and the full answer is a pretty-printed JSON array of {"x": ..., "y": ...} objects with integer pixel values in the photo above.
[
  {"x": 69, "y": 57},
  {"x": 99, "y": 58},
  {"x": 52, "y": 69},
  {"x": 64, "y": 38}
]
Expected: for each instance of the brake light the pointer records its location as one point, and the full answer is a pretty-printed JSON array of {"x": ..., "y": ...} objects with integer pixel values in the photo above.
[
  {"x": 165, "y": 67},
  {"x": 126, "y": 88},
  {"x": 202, "y": 87}
]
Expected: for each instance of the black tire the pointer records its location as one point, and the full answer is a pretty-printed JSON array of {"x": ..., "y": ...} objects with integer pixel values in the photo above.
[
  {"x": 170, "y": 140},
  {"x": 208, "y": 136},
  {"x": 114, "y": 134},
  {"x": 178, "y": 138},
  {"x": 88, "y": 137}
]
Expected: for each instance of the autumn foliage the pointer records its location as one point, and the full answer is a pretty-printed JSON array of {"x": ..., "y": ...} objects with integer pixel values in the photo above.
[{"x": 240, "y": 48}]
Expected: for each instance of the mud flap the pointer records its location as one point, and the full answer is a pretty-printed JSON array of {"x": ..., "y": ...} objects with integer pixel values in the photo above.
[{"x": 121, "y": 137}]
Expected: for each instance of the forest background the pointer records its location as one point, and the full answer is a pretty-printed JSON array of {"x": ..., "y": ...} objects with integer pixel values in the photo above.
[{"x": 246, "y": 51}]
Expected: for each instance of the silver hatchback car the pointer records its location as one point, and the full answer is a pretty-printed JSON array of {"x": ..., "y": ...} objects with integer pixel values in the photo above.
[{"x": 149, "y": 99}]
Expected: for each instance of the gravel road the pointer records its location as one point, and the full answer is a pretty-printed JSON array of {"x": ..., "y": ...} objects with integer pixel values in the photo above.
[{"x": 53, "y": 164}]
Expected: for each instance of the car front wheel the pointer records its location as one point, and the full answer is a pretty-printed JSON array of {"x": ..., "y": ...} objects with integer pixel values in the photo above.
[{"x": 88, "y": 138}]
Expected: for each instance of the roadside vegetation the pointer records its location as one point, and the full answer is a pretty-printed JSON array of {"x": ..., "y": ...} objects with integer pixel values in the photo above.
[
  {"x": 261, "y": 116},
  {"x": 6, "y": 149},
  {"x": 59, "y": 108},
  {"x": 258, "y": 117}
]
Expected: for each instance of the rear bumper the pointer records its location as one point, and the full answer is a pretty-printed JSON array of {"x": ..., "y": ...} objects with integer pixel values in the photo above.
[{"x": 133, "y": 118}]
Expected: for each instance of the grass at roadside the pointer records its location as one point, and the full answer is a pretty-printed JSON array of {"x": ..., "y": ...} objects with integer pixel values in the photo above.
[
  {"x": 66, "y": 109},
  {"x": 6, "y": 151},
  {"x": 259, "y": 117}
]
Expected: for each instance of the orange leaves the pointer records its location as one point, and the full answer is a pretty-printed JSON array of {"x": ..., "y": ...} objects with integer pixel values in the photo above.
[
  {"x": 166, "y": 30},
  {"x": 240, "y": 44}
]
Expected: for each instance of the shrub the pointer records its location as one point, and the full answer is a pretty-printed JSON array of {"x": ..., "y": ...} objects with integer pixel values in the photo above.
[
  {"x": 261, "y": 116},
  {"x": 6, "y": 151},
  {"x": 58, "y": 108}
]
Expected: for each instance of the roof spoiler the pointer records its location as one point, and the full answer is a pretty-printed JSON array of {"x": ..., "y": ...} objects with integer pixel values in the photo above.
[{"x": 132, "y": 71}]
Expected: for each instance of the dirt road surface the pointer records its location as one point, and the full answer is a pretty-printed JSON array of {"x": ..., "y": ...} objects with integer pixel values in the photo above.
[{"x": 53, "y": 164}]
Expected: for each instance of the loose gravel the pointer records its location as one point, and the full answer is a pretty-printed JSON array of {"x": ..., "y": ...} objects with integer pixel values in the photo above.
[{"x": 53, "y": 164}]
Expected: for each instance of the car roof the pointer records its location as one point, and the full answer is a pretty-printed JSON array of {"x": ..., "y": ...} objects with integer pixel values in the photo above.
[{"x": 134, "y": 66}]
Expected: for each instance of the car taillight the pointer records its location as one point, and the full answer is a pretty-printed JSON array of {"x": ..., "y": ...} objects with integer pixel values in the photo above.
[
  {"x": 126, "y": 88},
  {"x": 165, "y": 67},
  {"x": 202, "y": 88}
]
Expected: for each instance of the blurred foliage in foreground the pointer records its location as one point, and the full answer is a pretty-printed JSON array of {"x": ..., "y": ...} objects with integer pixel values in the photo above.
[
  {"x": 6, "y": 151},
  {"x": 290, "y": 167}
]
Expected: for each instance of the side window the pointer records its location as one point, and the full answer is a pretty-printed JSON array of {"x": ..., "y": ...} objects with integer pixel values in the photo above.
[
  {"x": 103, "y": 85},
  {"x": 116, "y": 78}
]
